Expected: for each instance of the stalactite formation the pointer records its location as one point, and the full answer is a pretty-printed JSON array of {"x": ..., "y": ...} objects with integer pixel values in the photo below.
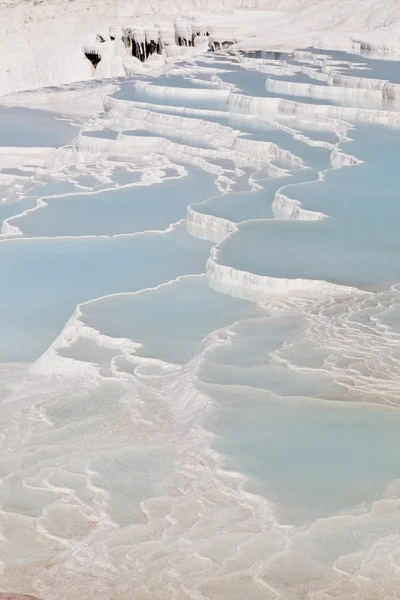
[
  {"x": 141, "y": 43},
  {"x": 93, "y": 57}
]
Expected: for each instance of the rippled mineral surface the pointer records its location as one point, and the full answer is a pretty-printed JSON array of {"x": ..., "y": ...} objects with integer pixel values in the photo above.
[{"x": 200, "y": 334}]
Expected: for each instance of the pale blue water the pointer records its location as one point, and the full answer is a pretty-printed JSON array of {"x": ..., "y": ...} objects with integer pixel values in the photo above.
[
  {"x": 312, "y": 156},
  {"x": 46, "y": 279},
  {"x": 122, "y": 176},
  {"x": 140, "y": 466},
  {"x": 256, "y": 129},
  {"x": 299, "y": 77},
  {"x": 52, "y": 188},
  {"x": 323, "y": 136},
  {"x": 312, "y": 459},
  {"x": 370, "y": 193},
  {"x": 242, "y": 205},
  {"x": 363, "y": 204},
  {"x": 313, "y": 250},
  {"x": 375, "y": 68},
  {"x": 9, "y": 209},
  {"x": 183, "y": 81},
  {"x": 251, "y": 83},
  {"x": 116, "y": 211},
  {"x": 31, "y": 127},
  {"x": 184, "y": 312},
  {"x": 217, "y": 62},
  {"x": 91, "y": 182},
  {"x": 18, "y": 172},
  {"x": 239, "y": 206},
  {"x": 106, "y": 133},
  {"x": 372, "y": 68},
  {"x": 365, "y": 220}
]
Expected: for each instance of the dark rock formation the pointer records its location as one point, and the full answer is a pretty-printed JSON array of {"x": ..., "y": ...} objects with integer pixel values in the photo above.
[
  {"x": 216, "y": 46},
  {"x": 142, "y": 47},
  {"x": 94, "y": 59},
  {"x": 142, "y": 43},
  {"x": 182, "y": 41},
  {"x": 142, "y": 50}
]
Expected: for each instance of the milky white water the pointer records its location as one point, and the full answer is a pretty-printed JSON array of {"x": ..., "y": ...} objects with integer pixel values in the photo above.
[{"x": 199, "y": 335}]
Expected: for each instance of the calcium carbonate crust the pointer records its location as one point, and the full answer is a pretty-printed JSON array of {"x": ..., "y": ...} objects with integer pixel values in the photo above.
[{"x": 54, "y": 42}]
